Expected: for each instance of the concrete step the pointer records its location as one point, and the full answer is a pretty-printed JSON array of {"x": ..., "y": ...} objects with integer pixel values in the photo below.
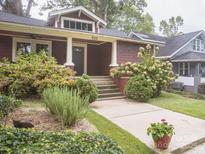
[
  {"x": 110, "y": 95},
  {"x": 100, "y": 77},
  {"x": 110, "y": 90},
  {"x": 200, "y": 149},
  {"x": 110, "y": 86},
  {"x": 104, "y": 83},
  {"x": 111, "y": 98},
  {"x": 99, "y": 80}
]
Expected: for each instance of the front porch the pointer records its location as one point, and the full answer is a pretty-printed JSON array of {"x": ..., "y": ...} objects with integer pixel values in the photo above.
[{"x": 92, "y": 56}]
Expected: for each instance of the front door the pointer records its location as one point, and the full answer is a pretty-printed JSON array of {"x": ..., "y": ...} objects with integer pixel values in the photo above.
[{"x": 78, "y": 59}]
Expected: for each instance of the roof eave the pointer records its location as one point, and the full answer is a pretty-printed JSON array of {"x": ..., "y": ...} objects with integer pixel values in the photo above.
[
  {"x": 62, "y": 32},
  {"x": 70, "y": 10}
]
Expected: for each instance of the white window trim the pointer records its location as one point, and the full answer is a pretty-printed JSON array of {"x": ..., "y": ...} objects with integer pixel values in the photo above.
[
  {"x": 33, "y": 43},
  {"x": 183, "y": 68},
  {"x": 195, "y": 42},
  {"x": 77, "y": 20},
  {"x": 85, "y": 54}
]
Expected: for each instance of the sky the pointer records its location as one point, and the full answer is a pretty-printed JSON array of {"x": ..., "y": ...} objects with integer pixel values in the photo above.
[{"x": 192, "y": 11}]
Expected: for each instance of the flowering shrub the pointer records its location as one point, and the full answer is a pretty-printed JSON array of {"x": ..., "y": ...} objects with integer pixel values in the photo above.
[
  {"x": 159, "y": 130},
  {"x": 31, "y": 73},
  {"x": 139, "y": 88},
  {"x": 158, "y": 71},
  {"x": 125, "y": 69}
]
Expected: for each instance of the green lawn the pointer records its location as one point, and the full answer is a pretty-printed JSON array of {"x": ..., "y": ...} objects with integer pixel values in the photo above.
[
  {"x": 178, "y": 103},
  {"x": 129, "y": 143}
]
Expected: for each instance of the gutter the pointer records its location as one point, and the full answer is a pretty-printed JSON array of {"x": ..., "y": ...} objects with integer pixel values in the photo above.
[{"x": 8, "y": 26}]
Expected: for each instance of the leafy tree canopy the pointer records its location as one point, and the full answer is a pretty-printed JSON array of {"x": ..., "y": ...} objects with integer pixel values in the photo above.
[
  {"x": 171, "y": 28},
  {"x": 127, "y": 15},
  {"x": 16, "y": 7}
]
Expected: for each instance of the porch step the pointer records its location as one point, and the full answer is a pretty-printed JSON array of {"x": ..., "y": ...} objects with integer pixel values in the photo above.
[
  {"x": 110, "y": 95},
  {"x": 111, "y": 86},
  {"x": 103, "y": 82},
  {"x": 107, "y": 89},
  {"x": 111, "y": 98}
]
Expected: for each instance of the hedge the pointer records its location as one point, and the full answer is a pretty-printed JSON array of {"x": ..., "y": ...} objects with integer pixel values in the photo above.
[{"x": 26, "y": 141}]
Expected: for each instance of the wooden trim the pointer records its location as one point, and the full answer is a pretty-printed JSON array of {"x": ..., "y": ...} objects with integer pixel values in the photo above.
[{"x": 33, "y": 43}]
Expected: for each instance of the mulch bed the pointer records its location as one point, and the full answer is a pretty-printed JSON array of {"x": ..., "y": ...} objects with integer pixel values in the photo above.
[{"x": 44, "y": 121}]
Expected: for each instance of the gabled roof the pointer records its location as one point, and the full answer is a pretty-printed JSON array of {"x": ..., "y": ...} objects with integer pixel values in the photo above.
[
  {"x": 171, "y": 45},
  {"x": 113, "y": 32},
  {"x": 175, "y": 44},
  {"x": 190, "y": 56},
  {"x": 78, "y": 8},
  {"x": 7, "y": 17},
  {"x": 148, "y": 37}
]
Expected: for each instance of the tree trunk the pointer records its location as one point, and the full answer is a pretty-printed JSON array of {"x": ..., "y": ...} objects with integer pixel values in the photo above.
[{"x": 28, "y": 9}]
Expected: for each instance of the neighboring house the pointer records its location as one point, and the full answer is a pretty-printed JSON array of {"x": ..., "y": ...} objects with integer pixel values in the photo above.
[
  {"x": 186, "y": 52},
  {"x": 74, "y": 36}
]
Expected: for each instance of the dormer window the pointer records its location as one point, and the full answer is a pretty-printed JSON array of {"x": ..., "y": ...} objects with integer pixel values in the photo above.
[
  {"x": 78, "y": 24},
  {"x": 198, "y": 45}
]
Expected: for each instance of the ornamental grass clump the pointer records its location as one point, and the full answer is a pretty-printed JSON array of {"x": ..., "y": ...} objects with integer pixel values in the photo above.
[{"x": 65, "y": 104}]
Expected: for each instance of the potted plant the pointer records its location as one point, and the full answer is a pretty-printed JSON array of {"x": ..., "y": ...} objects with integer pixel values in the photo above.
[{"x": 161, "y": 133}]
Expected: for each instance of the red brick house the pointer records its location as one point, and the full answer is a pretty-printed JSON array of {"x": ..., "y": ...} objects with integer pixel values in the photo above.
[{"x": 74, "y": 36}]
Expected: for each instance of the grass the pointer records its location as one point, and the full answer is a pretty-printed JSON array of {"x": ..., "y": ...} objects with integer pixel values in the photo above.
[
  {"x": 129, "y": 143},
  {"x": 178, "y": 103}
]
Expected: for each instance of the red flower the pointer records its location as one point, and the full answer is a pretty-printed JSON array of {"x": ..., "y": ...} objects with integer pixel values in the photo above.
[{"x": 163, "y": 120}]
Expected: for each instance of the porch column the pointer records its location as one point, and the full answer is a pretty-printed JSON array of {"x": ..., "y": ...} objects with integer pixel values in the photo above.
[
  {"x": 114, "y": 55},
  {"x": 69, "y": 55}
]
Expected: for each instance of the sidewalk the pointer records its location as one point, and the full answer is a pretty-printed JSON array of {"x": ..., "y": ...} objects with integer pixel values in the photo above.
[{"x": 136, "y": 118}]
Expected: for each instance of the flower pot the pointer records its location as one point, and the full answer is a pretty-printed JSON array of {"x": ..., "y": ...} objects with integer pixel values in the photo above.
[
  {"x": 121, "y": 83},
  {"x": 163, "y": 143}
]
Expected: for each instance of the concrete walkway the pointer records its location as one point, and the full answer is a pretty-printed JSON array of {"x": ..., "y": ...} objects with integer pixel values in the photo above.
[{"x": 136, "y": 118}]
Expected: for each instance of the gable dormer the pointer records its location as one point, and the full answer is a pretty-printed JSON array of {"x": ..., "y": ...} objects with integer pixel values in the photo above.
[{"x": 77, "y": 18}]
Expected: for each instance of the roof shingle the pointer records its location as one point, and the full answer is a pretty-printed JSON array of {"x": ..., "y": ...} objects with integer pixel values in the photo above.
[{"x": 7, "y": 17}]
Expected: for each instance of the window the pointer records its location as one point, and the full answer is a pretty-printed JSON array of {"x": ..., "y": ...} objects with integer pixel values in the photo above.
[
  {"x": 42, "y": 47},
  {"x": 198, "y": 45},
  {"x": 23, "y": 47},
  {"x": 77, "y": 24},
  {"x": 184, "y": 69},
  {"x": 30, "y": 45}
]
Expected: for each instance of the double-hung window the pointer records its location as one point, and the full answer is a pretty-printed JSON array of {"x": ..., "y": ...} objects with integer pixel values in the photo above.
[
  {"x": 184, "y": 69},
  {"x": 198, "y": 45},
  {"x": 27, "y": 46},
  {"x": 77, "y": 24}
]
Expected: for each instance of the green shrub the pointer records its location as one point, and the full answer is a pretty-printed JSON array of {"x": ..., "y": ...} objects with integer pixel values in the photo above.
[
  {"x": 87, "y": 88},
  {"x": 7, "y": 105},
  {"x": 66, "y": 104},
  {"x": 31, "y": 73},
  {"x": 202, "y": 88},
  {"x": 26, "y": 141},
  {"x": 139, "y": 88}
]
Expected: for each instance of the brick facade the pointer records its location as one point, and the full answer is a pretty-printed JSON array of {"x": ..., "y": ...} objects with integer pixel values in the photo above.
[{"x": 5, "y": 47}]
